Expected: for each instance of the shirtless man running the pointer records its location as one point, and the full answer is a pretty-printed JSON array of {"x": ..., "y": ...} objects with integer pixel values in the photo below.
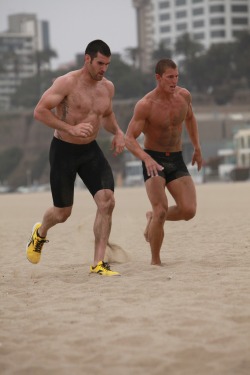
[
  {"x": 82, "y": 100},
  {"x": 160, "y": 116}
]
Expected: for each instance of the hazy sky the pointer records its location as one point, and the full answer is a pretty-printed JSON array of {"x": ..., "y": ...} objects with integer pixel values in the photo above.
[{"x": 74, "y": 23}]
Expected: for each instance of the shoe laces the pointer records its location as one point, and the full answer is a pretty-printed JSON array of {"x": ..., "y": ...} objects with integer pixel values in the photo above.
[
  {"x": 106, "y": 266},
  {"x": 38, "y": 245}
]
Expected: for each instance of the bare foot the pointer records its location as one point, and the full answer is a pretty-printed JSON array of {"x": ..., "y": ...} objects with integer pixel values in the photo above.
[
  {"x": 156, "y": 263},
  {"x": 149, "y": 216}
]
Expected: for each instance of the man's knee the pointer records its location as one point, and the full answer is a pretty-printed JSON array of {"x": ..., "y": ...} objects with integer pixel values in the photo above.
[
  {"x": 160, "y": 214},
  {"x": 63, "y": 214},
  {"x": 107, "y": 203},
  {"x": 189, "y": 213}
]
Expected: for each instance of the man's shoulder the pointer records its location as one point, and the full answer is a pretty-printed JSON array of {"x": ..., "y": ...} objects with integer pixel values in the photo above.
[
  {"x": 69, "y": 76},
  {"x": 144, "y": 105},
  {"x": 147, "y": 99},
  {"x": 144, "y": 102},
  {"x": 108, "y": 85},
  {"x": 183, "y": 91},
  {"x": 107, "y": 82}
]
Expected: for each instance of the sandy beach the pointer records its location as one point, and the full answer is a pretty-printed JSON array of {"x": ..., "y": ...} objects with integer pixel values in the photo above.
[{"x": 190, "y": 316}]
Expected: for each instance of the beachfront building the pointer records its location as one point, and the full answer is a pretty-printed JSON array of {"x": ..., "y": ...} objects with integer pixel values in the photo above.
[
  {"x": 19, "y": 47},
  {"x": 235, "y": 162},
  {"x": 242, "y": 147},
  {"x": 227, "y": 163},
  {"x": 206, "y": 21}
]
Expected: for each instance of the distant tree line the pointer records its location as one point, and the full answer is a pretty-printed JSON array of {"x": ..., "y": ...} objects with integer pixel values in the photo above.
[{"x": 219, "y": 71}]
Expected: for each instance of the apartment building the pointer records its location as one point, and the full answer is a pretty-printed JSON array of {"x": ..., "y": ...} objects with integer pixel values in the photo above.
[
  {"x": 242, "y": 147},
  {"x": 207, "y": 21},
  {"x": 18, "y": 52}
]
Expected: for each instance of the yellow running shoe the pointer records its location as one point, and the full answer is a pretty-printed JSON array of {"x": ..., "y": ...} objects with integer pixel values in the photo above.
[
  {"x": 35, "y": 245},
  {"x": 103, "y": 268}
]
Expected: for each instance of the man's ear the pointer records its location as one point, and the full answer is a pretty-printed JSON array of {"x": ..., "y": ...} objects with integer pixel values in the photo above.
[
  {"x": 157, "y": 77},
  {"x": 87, "y": 58}
]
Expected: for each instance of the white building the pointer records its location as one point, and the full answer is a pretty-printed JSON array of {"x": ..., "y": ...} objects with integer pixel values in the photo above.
[
  {"x": 227, "y": 163},
  {"x": 207, "y": 21},
  {"x": 242, "y": 147},
  {"x": 235, "y": 161},
  {"x": 18, "y": 51}
]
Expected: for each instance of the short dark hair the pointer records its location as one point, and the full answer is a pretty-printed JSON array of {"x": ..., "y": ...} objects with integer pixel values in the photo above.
[
  {"x": 163, "y": 64},
  {"x": 97, "y": 46}
]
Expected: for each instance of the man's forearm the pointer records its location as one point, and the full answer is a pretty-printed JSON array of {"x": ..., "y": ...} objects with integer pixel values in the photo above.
[
  {"x": 51, "y": 120},
  {"x": 133, "y": 146},
  {"x": 110, "y": 124},
  {"x": 192, "y": 129}
]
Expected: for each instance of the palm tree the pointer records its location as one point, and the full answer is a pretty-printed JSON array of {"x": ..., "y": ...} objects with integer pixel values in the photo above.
[
  {"x": 186, "y": 46},
  {"x": 133, "y": 55},
  {"x": 161, "y": 52},
  {"x": 43, "y": 58}
]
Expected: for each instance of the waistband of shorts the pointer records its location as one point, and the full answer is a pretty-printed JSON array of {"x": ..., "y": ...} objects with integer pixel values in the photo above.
[
  {"x": 160, "y": 153},
  {"x": 73, "y": 145}
]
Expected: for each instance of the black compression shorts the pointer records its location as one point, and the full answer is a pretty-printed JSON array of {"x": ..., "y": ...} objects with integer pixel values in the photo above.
[
  {"x": 69, "y": 159},
  {"x": 173, "y": 163}
]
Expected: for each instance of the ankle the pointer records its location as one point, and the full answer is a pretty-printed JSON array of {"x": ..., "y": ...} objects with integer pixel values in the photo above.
[{"x": 39, "y": 234}]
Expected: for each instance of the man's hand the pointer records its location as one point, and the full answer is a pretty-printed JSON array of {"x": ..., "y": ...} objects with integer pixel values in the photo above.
[
  {"x": 152, "y": 167},
  {"x": 84, "y": 129},
  {"x": 118, "y": 143},
  {"x": 197, "y": 158}
]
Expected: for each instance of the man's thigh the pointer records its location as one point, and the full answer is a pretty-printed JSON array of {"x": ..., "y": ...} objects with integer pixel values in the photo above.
[{"x": 183, "y": 191}]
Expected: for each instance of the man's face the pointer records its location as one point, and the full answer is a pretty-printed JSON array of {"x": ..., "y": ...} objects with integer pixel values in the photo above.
[
  {"x": 97, "y": 66},
  {"x": 169, "y": 79}
]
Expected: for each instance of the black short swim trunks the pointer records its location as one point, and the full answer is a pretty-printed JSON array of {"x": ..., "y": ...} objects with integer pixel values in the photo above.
[
  {"x": 67, "y": 160},
  {"x": 173, "y": 163}
]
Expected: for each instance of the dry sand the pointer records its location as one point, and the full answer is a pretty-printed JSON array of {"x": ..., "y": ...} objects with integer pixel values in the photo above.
[{"x": 191, "y": 316}]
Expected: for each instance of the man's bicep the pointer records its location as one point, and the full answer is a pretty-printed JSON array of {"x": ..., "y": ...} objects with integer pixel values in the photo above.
[
  {"x": 51, "y": 98},
  {"x": 135, "y": 128},
  {"x": 137, "y": 123},
  {"x": 55, "y": 93},
  {"x": 190, "y": 114}
]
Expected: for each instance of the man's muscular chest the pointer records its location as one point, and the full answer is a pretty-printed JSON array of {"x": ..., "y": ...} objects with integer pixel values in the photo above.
[
  {"x": 168, "y": 115},
  {"x": 87, "y": 102}
]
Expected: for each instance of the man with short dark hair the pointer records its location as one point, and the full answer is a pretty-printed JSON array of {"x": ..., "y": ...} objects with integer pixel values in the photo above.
[{"x": 82, "y": 100}]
